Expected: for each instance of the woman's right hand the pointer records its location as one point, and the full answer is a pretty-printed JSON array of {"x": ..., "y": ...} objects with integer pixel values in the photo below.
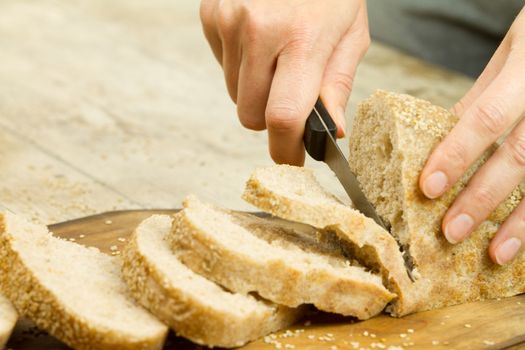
[{"x": 279, "y": 56}]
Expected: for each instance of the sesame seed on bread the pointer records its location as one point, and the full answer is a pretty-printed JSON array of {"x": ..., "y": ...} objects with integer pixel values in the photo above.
[
  {"x": 392, "y": 137},
  {"x": 193, "y": 306},
  {"x": 247, "y": 254},
  {"x": 73, "y": 292},
  {"x": 293, "y": 193}
]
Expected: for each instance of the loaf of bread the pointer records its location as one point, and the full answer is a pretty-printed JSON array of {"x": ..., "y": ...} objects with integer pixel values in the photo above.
[
  {"x": 191, "y": 305},
  {"x": 247, "y": 254},
  {"x": 391, "y": 139},
  {"x": 8, "y": 318},
  {"x": 74, "y": 293},
  {"x": 293, "y": 193}
]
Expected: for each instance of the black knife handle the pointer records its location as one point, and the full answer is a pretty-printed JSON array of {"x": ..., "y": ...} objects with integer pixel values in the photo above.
[{"x": 315, "y": 133}]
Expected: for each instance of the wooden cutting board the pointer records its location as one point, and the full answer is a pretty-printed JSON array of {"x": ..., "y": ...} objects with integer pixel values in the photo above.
[{"x": 494, "y": 324}]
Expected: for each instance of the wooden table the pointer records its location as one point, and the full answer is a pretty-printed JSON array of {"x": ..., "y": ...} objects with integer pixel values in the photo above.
[{"x": 119, "y": 104}]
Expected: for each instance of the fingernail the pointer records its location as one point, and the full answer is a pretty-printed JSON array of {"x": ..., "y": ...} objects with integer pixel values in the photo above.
[
  {"x": 458, "y": 228},
  {"x": 507, "y": 250},
  {"x": 435, "y": 184}
]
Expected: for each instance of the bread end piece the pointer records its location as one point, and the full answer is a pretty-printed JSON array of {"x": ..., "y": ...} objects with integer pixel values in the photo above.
[{"x": 56, "y": 284}]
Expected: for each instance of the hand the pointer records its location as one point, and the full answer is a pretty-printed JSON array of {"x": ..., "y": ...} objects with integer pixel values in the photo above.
[
  {"x": 278, "y": 56},
  {"x": 493, "y": 105}
]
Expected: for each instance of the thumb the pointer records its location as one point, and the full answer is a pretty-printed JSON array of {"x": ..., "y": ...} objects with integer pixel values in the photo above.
[{"x": 339, "y": 74}]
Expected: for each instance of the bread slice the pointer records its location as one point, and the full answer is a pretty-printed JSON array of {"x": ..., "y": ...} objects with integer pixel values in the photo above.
[
  {"x": 392, "y": 137},
  {"x": 8, "y": 318},
  {"x": 74, "y": 293},
  {"x": 245, "y": 254},
  {"x": 193, "y": 306},
  {"x": 293, "y": 193}
]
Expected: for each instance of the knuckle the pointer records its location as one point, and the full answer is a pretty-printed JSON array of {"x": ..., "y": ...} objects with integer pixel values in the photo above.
[
  {"x": 343, "y": 81},
  {"x": 225, "y": 18},
  {"x": 492, "y": 117},
  {"x": 484, "y": 198},
  {"x": 250, "y": 120},
  {"x": 284, "y": 117},
  {"x": 455, "y": 154},
  {"x": 459, "y": 108},
  {"x": 516, "y": 149}
]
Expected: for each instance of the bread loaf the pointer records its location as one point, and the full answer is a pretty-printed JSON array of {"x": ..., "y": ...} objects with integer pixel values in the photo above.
[
  {"x": 191, "y": 305},
  {"x": 74, "y": 293}
]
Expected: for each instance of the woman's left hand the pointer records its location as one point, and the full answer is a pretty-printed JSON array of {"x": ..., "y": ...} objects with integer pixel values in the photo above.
[{"x": 493, "y": 104}]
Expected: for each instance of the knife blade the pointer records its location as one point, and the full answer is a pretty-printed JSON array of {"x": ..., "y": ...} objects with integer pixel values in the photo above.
[{"x": 320, "y": 143}]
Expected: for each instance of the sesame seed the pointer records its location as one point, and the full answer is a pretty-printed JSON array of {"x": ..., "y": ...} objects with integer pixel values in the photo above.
[
  {"x": 468, "y": 325},
  {"x": 108, "y": 222}
]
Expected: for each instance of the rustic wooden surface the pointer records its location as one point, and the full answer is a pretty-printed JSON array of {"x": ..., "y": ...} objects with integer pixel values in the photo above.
[
  {"x": 120, "y": 104},
  {"x": 494, "y": 324}
]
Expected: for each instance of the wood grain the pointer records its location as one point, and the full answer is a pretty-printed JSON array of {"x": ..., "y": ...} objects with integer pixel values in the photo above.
[
  {"x": 492, "y": 324},
  {"x": 124, "y": 99}
]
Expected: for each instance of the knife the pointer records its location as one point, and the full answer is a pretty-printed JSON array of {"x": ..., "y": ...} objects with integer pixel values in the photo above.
[{"x": 320, "y": 143}]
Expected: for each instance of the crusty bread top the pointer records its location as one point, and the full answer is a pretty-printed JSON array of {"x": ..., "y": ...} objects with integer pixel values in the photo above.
[
  {"x": 392, "y": 137},
  {"x": 295, "y": 194},
  {"x": 86, "y": 282},
  {"x": 246, "y": 253},
  {"x": 177, "y": 276}
]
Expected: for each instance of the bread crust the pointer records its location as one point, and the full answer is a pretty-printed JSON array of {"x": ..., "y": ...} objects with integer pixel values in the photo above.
[
  {"x": 369, "y": 243},
  {"x": 450, "y": 274},
  {"x": 186, "y": 313},
  {"x": 34, "y": 300},
  {"x": 274, "y": 279}
]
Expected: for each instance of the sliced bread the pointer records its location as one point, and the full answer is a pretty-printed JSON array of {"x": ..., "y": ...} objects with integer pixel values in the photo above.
[
  {"x": 246, "y": 254},
  {"x": 8, "y": 318},
  {"x": 74, "y": 293},
  {"x": 392, "y": 137},
  {"x": 191, "y": 305},
  {"x": 293, "y": 193}
]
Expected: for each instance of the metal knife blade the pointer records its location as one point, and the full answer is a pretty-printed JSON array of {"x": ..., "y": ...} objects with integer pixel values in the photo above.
[{"x": 336, "y": 160}]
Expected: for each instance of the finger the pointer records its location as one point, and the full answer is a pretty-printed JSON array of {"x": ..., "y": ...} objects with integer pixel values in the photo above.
[
  {"x": 488, "y": 117},
  {"x": 489, "y": 187},
  {"x": 510, "y": 238},
  {"x": 294, "y": 90},
  {"x": 209, "y": 27},
  {"x": 339, "y": 75},
  {"x": 231, "y": 48},
  {"x": 491, "y": 71},
  {"x": 255, "y": 78}
]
